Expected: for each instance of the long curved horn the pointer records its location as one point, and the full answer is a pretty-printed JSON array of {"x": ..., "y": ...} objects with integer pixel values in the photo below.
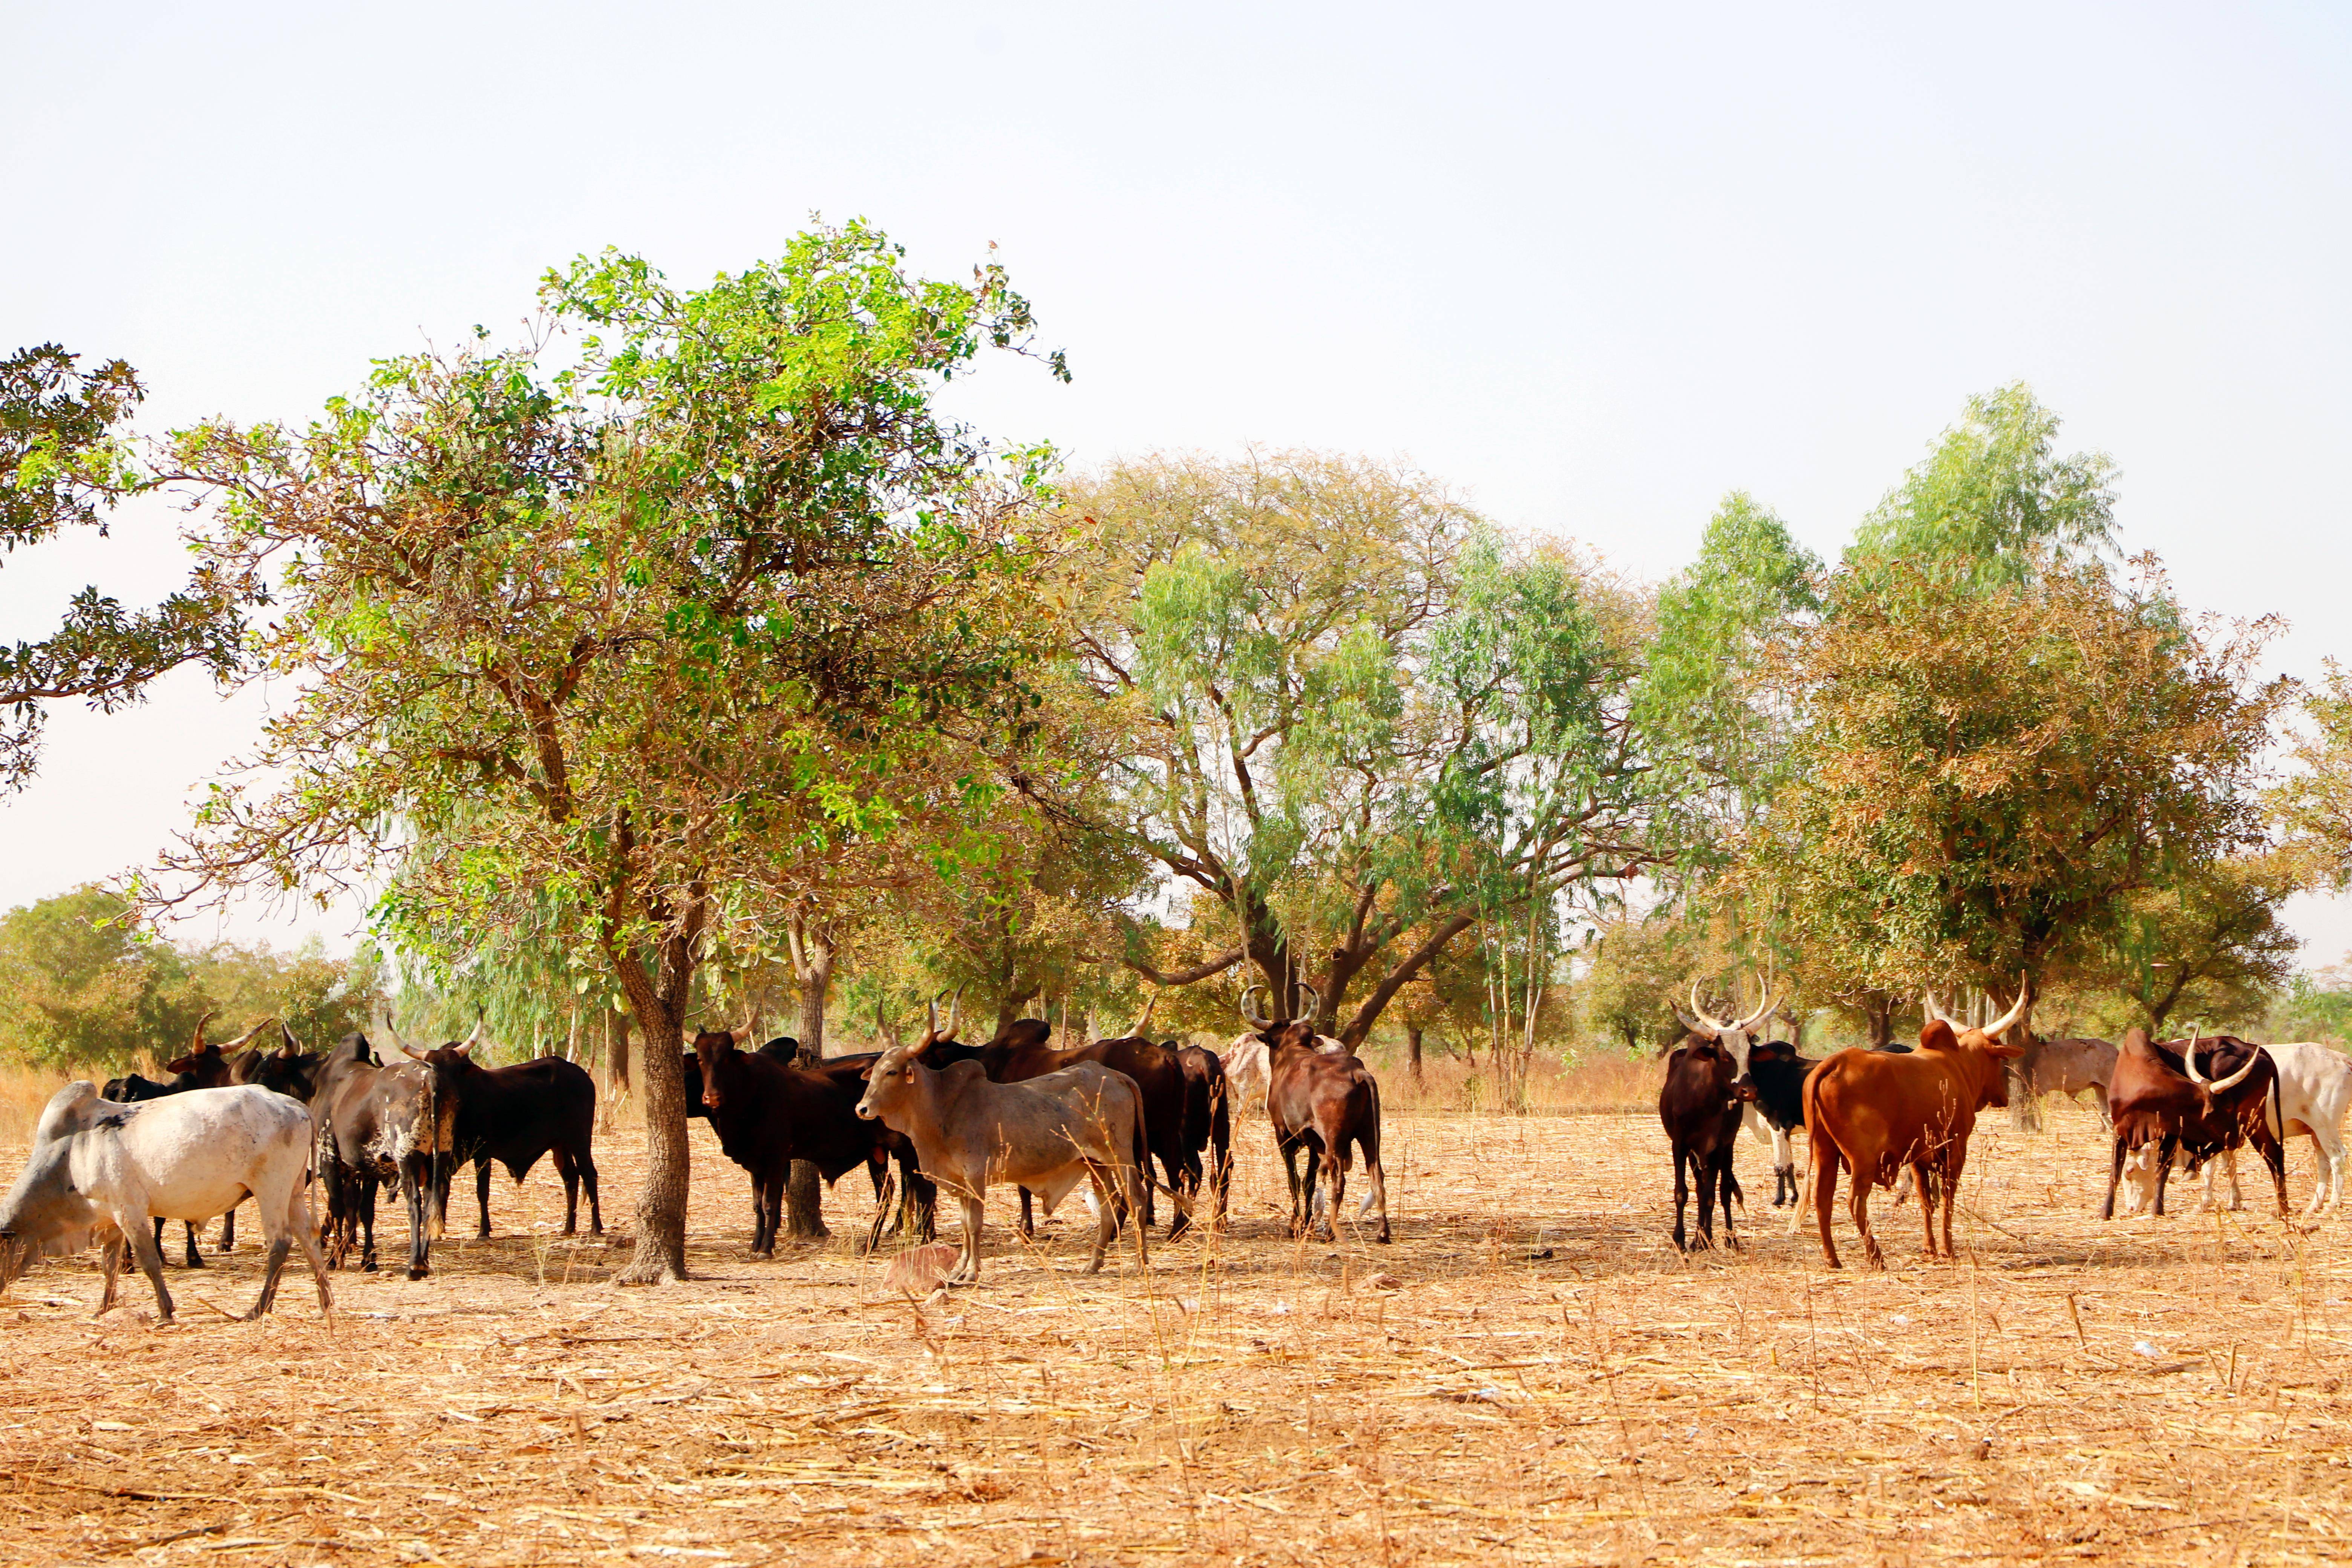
[
  {"x": 247, "y": 1039},
  {"x": 393, "y": 1029},
  {"x": 931, "y": 1017},
  {"x": 2235, "y": 1078},
  {"x": 293, "y": 1047},
  {"x": 1247, "y": 1016},
  {"x": 200, "y": 1022},
  {"x": 2188, "y": 1055},
  {"x": 1135, "y": 1030},
  {"x": 2016, "y": 1009},
  {"x": 1683, "y": 1019},
  {"x": 466, "y": 1046},
  {"x": 1935, "y": 1014},
  {"x": 1315, "y": 1010},
  {"x": 1709, "y": 1025},
  {"x": 882, "y": 1027},
  {"x": 412, "y": 1052},
  {"x": 955, "y": 1014}
]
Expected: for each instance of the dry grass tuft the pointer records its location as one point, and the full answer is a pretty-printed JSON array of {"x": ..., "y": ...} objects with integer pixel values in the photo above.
[{"x": 1530, "y": 1374}]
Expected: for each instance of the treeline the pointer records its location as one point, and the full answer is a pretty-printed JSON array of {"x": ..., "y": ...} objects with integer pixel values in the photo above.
[{"x": 686, "y": 660}]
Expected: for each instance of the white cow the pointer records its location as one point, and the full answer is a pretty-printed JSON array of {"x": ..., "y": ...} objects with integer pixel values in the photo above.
[
  {"x": 2315, "y": 1086},
  {"x": 100, "y": 1166}
]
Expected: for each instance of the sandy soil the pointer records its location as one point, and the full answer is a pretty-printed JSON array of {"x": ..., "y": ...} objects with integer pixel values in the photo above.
[{"x": 1531, "y": 1373}]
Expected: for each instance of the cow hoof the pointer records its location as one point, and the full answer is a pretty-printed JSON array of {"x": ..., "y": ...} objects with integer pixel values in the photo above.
[
  {"x": 194, "y": 1260},
  {"x": 367, "y": 1265},
  {"x": 416, "y": 1273},
  {"x": 484, "y": 1233}
]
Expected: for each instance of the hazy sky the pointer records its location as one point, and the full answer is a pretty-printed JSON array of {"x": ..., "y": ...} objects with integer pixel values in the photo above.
[{"x": 1595, "y": 266}]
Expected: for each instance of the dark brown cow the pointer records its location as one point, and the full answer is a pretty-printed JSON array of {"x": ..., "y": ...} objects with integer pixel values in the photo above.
[
  {"x": 1320, "y": 1105},
  {"x": 1701, "y": 1105},
  {"x": 1208, "y": 1122},
  {"x": 2158, "y": 1094},
  {"x": 1877, "y": 1112}
]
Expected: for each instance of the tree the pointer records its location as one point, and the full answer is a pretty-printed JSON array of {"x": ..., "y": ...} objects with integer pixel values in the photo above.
[
  {"x": 1986, "y": 778},
  {"x": 1343, "y": 717},
  {"x": 63, "y": 463},
  {"x": 2208, "y": 945},
  {"x": 2315, "y": 806},
  {"x": 658, "y": 641}
]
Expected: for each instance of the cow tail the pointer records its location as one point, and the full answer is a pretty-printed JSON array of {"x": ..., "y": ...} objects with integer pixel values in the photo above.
[{"x": 2277, "y": 1109}]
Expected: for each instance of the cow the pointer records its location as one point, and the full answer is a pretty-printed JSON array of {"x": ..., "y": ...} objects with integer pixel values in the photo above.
[
  {"x": 99, "y": 1166},
  {"x": 1024, "y": 1051},
  {"x": 2070, "y": 1067},
  {"x": 1776, "y": 1110},
  {"x": 512, "y": 1115},
  {"x": 1708, "y": 1089},
  {"x": 202, "y": 1065},
  {"x": 1874, "y": 1113},
  {"x": 1208, "y": 1122},
  {"x": 1320, "y": 1105},
  {"x": 1047, "y": 1133},
  {"x": 769, "y": 1114},
  {"x": 2314, "y": 1087},
  {"x": 1246, "y": 1064},
  {"x": 375, "y": 1123},
  {"x": 2158, "y": 1094}
]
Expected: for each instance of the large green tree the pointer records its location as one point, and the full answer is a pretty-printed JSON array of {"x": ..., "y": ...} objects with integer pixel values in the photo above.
[
  {"x": 1345, "y": 718},
  {"x": 642, "y": 648}
]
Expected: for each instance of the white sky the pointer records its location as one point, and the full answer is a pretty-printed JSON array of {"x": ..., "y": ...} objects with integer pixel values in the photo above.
[{"x": 1595, "y": 265}]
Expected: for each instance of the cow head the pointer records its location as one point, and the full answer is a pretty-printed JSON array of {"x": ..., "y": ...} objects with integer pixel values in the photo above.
[
  {"x": 44, "y": 1213},
  {"x": 1299, "y": 1032},
  {"x": 890, "y": 1077},
  {"x": 1942, "y": 1033},
  {"x": 209, "y": 1064},
  {"x": 712, "y": 1048},
  {"x": 1736, "y": 1039}
]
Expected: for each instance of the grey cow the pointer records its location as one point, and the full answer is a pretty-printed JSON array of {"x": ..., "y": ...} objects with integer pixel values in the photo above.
[
  {"x": 1083, "y": 1124},
  {"x": 102, "y": 1169},
  {"x": 2070, "y": 1068}
]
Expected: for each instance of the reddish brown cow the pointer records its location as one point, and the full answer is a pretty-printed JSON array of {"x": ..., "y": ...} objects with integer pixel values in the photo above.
[
  {"x": 1877, "y": 1112},
  {"x": 2160, "y": 1095},
  {"x": 1321, "y": 1105}
]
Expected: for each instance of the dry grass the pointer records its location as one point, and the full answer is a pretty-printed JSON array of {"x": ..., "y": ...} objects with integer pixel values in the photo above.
[
  {"x": 1530, "y": 1374},
  {"x": 1448, "y": 1086}
]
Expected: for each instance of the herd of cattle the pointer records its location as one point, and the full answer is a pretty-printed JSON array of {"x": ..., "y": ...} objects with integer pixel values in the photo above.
[
  {"x": 263, "y": 1121},
  {"x": 1907, "y": 1111}
]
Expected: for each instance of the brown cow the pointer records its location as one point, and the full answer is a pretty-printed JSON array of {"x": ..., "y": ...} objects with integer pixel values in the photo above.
[
  {"x": 1878, "y": 1112},
  {"x": 1320, "y": 1104},
  {"x": 2158, "y": 1096}
]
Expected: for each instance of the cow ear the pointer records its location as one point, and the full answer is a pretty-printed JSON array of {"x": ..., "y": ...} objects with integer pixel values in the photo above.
[
  {"x": 2005, "y": 1051},
  {"x": 1938, "y": 1036}
]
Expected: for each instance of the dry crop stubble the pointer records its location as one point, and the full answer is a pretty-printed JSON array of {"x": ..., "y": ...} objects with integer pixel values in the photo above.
[{"x": 1529, "y": 1374}]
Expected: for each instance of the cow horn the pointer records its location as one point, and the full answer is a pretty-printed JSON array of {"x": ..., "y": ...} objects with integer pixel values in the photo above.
[
  {"x": 1252, "y": 1020},
  {"x": 1709, "y": 1025},
  {"x": 247, "y": 1039},
  {"x": 2016, "y": 1009},
  {"x": 889, "y": 1036},
  {"x": 1928, "y": 1004},
  {"x": 1135, "y": 1030},
  {"x": 1315, "y": 1010},
  {"x": 293, "y": 1047},
  {"x": 412, "y": 1052},
  {"x": 200, "y": 1022},
  {"x": 393, "y": 1029},
  {"x": 955, "y": 1014}
]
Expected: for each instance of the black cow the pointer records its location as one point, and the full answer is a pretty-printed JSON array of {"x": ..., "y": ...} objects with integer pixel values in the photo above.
[
  {"x": 376, "y": 1124},
  {"x": 767, "y": 1113},
  {"x": 1208, "y": 1121},
  {"x": 512, "y": 1115},
  {"x": 1778, "y": 1073},
  {"x": 1700, "y": 1106}
]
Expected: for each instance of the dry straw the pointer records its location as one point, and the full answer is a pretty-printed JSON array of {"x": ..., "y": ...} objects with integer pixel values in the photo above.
[{"x": 1530, "y": 1374}]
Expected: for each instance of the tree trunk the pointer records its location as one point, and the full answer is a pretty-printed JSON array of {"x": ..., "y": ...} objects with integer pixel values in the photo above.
[
  {"x": 1879, "y": 1008},
  {"x": 804, "y": 1189},
  {"x": 660, "y": 1001},
  {"x": 1412, "y": 1049}
]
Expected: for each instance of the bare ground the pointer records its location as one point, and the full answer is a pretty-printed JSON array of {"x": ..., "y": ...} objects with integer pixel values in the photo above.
[{"x": 1531, "y": 1373}]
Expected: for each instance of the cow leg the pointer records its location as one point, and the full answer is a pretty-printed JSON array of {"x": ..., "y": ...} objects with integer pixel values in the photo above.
[
  {"x": 228, "y": 1232},
  {"x": 1028, "y": 1219},
  {"x": 1824, "y": 1161},
  {"x": 1858, "y": 1206},
  {"x": 1927, "y": 1209},
  {"x": 2327, "y": 1188},
  {"x": 762, "y": 1244},
  {"x": 2164, "y": 1153},
  {"x": 279, "y": 1249},
  {"x": 1107, "y": 1208},
  {"x": 1289, "y": 1150},
  {"x": 1376, "y": 1181},
  {"x": 420, "y": 1209},
  {"x": 919, "y": 1190},
  {"x": 1703, "y": 1171},
  {"x": 2115, "y": 1176},
  {"x": 1335, "y": 1184},
  {"x": 370, "y": 1184},
  {"x": 482, "y": 1197},
  {"x": 1682, "y": 1197},
  {"x": 150, "y": 1263},
  {"x": 569, "y": 1172},
  {"x": 1950, "y": 1193},
  {"x": 2237, "y": 1194},
  {"x": 1183, "y": 1189},
  {"x": 967, "y": 1269},
  {"x": 298, "y": 1219},
  {"x": 2273, "y": 1153},
  {"x": 111, "y": 1259},
  {"x": 779, "y": 1183}
]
